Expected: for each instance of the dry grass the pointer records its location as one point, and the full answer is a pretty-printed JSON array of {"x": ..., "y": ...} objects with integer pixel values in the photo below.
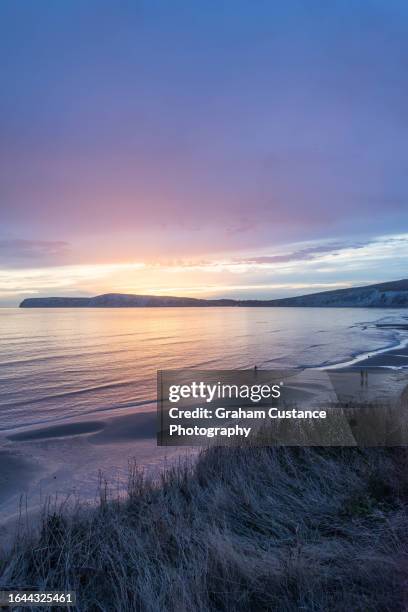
[{"x": 241, "y": 529}]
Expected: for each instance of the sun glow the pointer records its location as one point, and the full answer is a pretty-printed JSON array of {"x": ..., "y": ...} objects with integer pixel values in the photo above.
[{"x": 302, "y": 268}]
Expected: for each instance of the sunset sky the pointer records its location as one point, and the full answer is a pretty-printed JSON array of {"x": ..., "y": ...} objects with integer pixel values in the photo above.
[{"x": 211, "y": 148}]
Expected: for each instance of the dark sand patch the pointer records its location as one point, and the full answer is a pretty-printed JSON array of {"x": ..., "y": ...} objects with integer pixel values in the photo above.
[
  {"x": 138, "y": 426},
  {"x": 58, "y": 431}
]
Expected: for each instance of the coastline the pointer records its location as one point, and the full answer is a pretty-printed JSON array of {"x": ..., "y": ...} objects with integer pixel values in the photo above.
[
  {"x": 394, "y": 356},
  {"x": 67, "y": 457}
]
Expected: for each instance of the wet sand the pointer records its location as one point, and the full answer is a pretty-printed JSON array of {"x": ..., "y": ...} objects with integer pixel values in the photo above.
[
  {"x": 394, "y": 358},
  {"x": 16, "y": 473},
  {"x": 67, "y": 459}
]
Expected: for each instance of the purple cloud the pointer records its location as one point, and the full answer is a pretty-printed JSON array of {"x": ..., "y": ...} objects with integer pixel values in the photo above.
[
  {"x": 305, "y": 254},
  {"x": 17, "y": 252}
]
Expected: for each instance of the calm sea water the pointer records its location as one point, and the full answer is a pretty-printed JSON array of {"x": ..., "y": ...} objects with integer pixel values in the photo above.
[{"x": 62, "y": 364}]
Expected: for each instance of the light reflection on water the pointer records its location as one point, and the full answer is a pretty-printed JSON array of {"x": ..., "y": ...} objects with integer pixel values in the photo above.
[{"x": 65, "y": 363}]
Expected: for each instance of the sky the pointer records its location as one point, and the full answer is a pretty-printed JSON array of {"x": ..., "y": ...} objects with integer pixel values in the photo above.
[{"x": 232, "y": 148}]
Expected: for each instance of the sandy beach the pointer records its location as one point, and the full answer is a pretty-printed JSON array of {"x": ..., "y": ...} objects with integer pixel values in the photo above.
[
  {"x": 67, "y": 458},
  {"x": 394, "y": 358}
]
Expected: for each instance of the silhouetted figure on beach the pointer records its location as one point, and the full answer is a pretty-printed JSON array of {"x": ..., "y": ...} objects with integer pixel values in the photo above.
[{"x": 364, "y": 378}]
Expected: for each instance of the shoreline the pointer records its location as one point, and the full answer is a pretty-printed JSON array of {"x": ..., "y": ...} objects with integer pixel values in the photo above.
[
  {"x": 67, "y": 456},
  {"x": 67, "y": 459},
  {"x": 64, "y": 460},
  {"x": 393, "y": 357}
]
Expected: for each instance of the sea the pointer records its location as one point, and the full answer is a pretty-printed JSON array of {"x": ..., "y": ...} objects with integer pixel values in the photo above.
[{"x": 64, "y": 364}]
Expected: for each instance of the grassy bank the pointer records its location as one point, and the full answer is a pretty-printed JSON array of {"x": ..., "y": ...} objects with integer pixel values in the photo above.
[{"x": 241, "y": 529}]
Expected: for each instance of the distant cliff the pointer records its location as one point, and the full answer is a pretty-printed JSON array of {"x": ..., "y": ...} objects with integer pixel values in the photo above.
[
  {"x": 119, "y": 300},
  {"x": 393, "y": 294}
]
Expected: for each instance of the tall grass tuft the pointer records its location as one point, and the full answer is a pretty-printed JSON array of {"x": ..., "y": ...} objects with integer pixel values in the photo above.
[{"x": 240, "y": 529}]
